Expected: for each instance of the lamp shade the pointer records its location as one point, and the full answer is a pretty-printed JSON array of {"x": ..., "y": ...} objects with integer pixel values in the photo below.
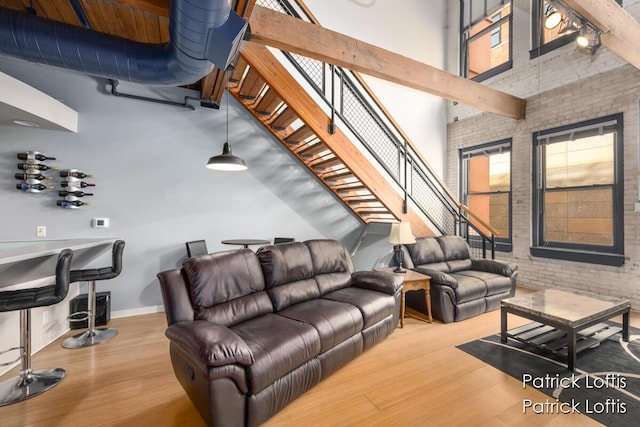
[
  {"x": 401, "y": 234},
  {"x": 226, "y": 161}
]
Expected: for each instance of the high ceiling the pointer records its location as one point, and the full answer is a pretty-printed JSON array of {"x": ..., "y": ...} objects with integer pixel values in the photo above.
[{"x": 145, "y": 21}]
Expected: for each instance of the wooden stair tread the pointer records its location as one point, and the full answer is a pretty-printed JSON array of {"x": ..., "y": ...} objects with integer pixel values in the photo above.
[
  {"x": 284, "y": 119},
  {"x": 268, "y": 104},
  {"x": 252, "y": 85},
  {"x": 300, "y": 135},
  {"x": 238, "y": 71},
  {"x": 311, "y": 150},
  {"x": 326, "y": 164}
]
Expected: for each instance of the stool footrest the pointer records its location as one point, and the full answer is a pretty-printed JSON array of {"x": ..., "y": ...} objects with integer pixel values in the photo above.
[
  {"x": 20, "y": 349},
  {"x": 86, "y": 315}
]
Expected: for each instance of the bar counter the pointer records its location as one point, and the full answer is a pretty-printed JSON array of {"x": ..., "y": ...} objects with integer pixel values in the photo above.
[{"x": 26, "y": 261}]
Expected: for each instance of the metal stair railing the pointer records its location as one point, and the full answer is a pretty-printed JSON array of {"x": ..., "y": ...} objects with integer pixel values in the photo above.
[{"x": 360, "y": 111}]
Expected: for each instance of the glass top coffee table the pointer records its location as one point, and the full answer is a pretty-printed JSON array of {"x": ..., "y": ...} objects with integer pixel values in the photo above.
[{"x": 565, "y": 323}]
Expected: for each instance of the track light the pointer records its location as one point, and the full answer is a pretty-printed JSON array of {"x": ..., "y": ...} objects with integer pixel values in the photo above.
[
  {"x": 583, "y": 40},
  {"x": 553, "y": 18},
  {"x": 570, "y": 26}
]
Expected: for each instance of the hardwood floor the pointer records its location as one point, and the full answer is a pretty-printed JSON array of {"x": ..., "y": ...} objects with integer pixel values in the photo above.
[{"x": 415, "y": 377}]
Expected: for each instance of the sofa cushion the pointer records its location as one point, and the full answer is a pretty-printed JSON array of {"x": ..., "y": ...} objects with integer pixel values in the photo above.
[
  {"x": 227, "y": 287},
  {"x": 453, "y": 247},
  {"x": 288, "y": 273},
  {"x": 495, "y": 283},
  {"x": 335, "y": 321},
  {"x": 426, "y": 250},
  {"x": 374, "y": 306},
  {"x": 279, "y": 345},
  {"x": 469, "y": 288},
  {"x": 332, "y": 264},
  {"x": 442, "y": 267}
]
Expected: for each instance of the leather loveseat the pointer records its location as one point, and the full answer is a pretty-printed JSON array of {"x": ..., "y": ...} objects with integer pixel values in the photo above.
[
  {"x": 461, "y": 286},
  {"x": 250, "y": 332}
]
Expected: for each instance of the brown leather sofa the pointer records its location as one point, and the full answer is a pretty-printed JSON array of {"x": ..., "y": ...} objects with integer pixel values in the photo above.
[
  {"x": 250, "y": 332},
  {"x": 461, "y": 287}
]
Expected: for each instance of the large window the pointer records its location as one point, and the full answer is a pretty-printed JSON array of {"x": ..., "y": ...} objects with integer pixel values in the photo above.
[
  {"x": 486, "y": 38},
  {"x": 578, "y": 192},
  {"x": 486, "y": 187}
]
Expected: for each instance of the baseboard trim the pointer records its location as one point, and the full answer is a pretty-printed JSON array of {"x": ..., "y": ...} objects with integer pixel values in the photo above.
[{"x": 137, "y": 311}]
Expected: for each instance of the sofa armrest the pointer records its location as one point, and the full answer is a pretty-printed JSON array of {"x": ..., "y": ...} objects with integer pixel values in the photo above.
[
  {"x": 213, "y": 344},
  {"x": 494, "y": 266},
  {"x": 439, "y": 277},
  {"x": 380, "y": 281}
]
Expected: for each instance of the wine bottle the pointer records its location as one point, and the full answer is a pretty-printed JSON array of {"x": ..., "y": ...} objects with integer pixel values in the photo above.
[
  {"x": 70, "y": 204},
  {"x": 74, "y": 174},
  {"x": 34, "y": 188},
  {"x": 34, "y": 155},
  {"x": 35, "y": 166},
  {"x": 74, "y": 183},
  {"x": 35, "y": 176},
  {"x": 73, "y": 193}
]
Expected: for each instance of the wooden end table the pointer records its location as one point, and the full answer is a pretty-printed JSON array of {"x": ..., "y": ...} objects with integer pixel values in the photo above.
[{"x": 413, "y": 281}]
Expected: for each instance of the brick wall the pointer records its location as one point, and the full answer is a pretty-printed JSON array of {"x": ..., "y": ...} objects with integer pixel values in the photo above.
[{"x": 561, "y": 87}]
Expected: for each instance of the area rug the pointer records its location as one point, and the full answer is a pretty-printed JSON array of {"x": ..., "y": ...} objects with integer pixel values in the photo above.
[{"x": 605, "y": 385}]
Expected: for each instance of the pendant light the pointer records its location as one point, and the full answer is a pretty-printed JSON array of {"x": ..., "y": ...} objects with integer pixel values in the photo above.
[{"x": 227, "y": 161}]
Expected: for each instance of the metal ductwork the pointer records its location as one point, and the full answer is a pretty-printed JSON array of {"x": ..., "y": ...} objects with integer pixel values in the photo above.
[{"x": 201, "y": 33}]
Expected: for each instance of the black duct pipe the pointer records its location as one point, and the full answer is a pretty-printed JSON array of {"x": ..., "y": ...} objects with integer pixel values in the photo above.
[{"x": 201, "y": 32}]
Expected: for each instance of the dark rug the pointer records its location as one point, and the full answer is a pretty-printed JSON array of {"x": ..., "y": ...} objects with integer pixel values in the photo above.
[{"x": 605, "y": 385}]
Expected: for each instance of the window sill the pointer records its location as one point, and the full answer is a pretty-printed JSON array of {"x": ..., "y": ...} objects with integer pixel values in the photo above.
[{"x": 615, "y": 260}]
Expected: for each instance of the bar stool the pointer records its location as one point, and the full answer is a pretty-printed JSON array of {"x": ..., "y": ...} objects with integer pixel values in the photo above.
[
  {"x": 30, "y": 383},
  {"x": 94, "y": 336}
]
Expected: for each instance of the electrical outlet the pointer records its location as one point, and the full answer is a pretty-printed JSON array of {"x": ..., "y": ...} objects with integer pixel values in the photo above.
[
  {"x": 46, "y": 317},
  {"x": 41, "y": 231}
]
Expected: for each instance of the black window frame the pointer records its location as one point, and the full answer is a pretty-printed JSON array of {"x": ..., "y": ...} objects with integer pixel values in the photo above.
[
  {"x": 595, "y": 254},
  {"x": 464, "y": 41},
  {"x": 503, "y": 244}
]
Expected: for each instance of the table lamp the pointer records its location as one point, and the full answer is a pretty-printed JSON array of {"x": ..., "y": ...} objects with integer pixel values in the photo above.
[{"x": 400, "y": 235}]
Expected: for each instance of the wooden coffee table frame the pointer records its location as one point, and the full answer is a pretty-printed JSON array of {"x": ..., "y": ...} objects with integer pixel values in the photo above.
[{"x": 570, "y": 328}]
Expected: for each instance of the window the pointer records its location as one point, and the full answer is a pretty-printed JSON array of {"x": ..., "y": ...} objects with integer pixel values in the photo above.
[
  {"x": 486, "y": 187},
  {"x": 578, "y": 192},
  {"x": 486, "y": 38},
  {"x": 545, "y": 40},
  {"x": 496, "y": 33}
]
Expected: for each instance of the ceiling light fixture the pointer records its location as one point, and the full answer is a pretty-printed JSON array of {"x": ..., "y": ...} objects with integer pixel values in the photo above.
[
  {"x": 227, "y": 161},
  {"x": 583, "y": 38},
  {"x": 571, "y": 26}
]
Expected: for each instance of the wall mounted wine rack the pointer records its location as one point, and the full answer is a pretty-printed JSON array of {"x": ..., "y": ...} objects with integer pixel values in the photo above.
[{"x": 34, "y": 179}]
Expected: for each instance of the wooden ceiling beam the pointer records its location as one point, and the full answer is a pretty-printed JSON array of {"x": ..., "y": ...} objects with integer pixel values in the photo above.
[
  {"x": 620, "y": 31},
  {"x": 287, "y": 33}
]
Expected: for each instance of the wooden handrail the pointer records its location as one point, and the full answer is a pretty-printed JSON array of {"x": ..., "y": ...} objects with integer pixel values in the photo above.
[{"x": 477, "y": 218}]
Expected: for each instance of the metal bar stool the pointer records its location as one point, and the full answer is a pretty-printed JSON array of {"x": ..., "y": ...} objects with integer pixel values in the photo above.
[
  {"x": 94, "y": 336},
  {"x": 30, "y": 383}
]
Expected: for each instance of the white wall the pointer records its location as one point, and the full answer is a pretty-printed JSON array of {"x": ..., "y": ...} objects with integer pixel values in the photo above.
[{"x": 412, "y": 28}]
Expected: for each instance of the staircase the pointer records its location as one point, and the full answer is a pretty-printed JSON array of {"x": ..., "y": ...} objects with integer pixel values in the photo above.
[{"x": 274, "y": 97}]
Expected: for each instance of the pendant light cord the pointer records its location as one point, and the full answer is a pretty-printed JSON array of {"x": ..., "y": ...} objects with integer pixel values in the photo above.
[{"x": 228, "y": 94}]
